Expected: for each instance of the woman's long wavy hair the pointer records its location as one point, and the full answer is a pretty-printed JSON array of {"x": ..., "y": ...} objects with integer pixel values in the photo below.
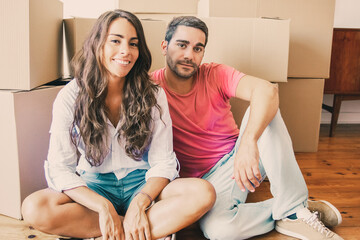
[{"x": 138, "y": 97}]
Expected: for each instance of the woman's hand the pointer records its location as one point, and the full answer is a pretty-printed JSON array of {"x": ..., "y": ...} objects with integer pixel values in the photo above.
[
  {"x": 136, "y": 223},
  {"x": 111, "y": 226}
]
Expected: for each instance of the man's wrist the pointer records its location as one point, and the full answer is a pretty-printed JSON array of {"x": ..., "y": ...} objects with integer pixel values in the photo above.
[{"x": 248, "y": 137}]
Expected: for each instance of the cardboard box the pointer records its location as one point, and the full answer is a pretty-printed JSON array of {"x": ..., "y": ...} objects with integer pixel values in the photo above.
[
  {"x": 255, "y": 46},
  {"x": 311, "y": 28},
  {"x": 154, "y": 34},
  {"x": 159, "y": 6},
  {"x": 300, "y": 106},
  {"x": 30, "y": 43},
  {"x": 24, "y": 142},
  {"x": 77, "y": 29},
  {"x": 167, "y": 17},
  {"x": 87, "y": 8}
]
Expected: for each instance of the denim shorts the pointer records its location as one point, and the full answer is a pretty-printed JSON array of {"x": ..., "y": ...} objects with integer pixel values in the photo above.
[{"x": 118, "y": 192}]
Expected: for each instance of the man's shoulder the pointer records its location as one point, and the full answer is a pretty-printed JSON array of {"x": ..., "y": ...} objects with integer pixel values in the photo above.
[
  {"x": 212, "y": 71},
  {"x": 213, "y": 65},
  {"x": 158, "y": 76}
]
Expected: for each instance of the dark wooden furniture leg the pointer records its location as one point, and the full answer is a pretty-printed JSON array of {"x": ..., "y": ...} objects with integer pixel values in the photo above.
[
  {"x": 335, "y": 109},
  {"x": 335, "y": 113}
]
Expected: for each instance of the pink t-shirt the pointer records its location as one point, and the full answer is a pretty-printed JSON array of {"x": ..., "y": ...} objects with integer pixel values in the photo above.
[{"x": 204, "y": 129}]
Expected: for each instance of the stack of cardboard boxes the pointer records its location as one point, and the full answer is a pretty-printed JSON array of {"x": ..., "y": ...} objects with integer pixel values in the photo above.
[{"x": 30, "y": 46}]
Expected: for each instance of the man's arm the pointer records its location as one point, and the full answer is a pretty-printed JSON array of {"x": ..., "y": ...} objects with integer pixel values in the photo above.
[{"x": 264, "y": 103}]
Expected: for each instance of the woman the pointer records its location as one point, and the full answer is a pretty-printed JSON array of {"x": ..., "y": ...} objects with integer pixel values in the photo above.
[{"x": 111, "y": 148}]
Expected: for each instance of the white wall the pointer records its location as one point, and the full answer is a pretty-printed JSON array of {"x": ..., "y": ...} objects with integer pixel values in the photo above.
[
  {"x": 349, "y": 111},
  {"x": 347, "y": 15}
]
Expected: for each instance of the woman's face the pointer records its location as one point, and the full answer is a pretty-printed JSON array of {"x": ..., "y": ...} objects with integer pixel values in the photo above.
[{"x": 120, "y": 49}]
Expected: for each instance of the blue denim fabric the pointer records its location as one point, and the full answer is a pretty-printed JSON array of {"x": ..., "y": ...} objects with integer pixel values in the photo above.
[{"x": 119, "y": 192}]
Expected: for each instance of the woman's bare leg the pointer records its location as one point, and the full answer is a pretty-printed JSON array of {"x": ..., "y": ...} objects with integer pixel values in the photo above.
[
  {"x": 55, "y": 213},
  {"x": 181, "y": 203}
]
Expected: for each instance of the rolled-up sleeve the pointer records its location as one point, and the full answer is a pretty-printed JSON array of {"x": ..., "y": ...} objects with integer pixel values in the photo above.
[
  {"x": 60, "y": 166},
  {"x": 161, "y": 156}
]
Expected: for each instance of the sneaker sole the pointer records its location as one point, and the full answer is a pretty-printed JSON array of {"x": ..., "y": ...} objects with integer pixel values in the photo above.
[
  {"x": 173, "y": 237},
  {"x": 337, "y": 213},
  {"x": 289, "y": 233}
]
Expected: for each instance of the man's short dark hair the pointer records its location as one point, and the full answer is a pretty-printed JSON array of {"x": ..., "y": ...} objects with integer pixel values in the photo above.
[{"x": 188, "y": 21}]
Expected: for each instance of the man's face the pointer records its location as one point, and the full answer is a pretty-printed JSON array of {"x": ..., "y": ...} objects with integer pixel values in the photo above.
[{"x": 185, "y": 51}]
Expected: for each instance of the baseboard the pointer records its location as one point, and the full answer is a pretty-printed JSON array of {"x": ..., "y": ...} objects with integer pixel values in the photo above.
[{"x": 344, "y": 117}]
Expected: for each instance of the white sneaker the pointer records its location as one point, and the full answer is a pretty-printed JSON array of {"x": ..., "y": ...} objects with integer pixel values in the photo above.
[
  {"x": 307, "y": 226},
  {"x": 328, "y": 213},
  {"x": 173, "y": 237}
]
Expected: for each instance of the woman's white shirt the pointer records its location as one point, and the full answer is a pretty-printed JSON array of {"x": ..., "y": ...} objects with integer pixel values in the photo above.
[{"x": 62, "y": 161}]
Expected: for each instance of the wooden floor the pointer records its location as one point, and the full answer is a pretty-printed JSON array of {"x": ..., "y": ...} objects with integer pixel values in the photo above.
[{"x": 332, "y": 174}]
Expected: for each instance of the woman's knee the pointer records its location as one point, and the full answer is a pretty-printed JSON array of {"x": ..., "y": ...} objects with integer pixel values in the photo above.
[
  {"x": 203, "y": 192},
  {"x": 199, "y": 194},
  {"x": 32, "y": 206},
  {"x": 37, "y": 208}
]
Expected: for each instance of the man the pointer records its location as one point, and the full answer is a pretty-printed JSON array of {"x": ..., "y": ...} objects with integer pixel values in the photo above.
[{"x": 208, "y": 143}]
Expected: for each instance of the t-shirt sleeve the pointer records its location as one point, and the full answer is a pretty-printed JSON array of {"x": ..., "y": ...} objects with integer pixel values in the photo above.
[
  {"x": 227, "y": 79},
  {"x": 156, "y": 76}
]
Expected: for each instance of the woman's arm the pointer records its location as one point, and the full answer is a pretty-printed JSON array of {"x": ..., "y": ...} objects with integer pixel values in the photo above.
[
  {"x": 109, "y": 221},
  {"x": 161, "y": 156},
  {"x": 136, "y": 223},
  {"x": 60, "y": 167},
  {"x": 163, "y": 169},
  {"x": 61, "y": 163}
]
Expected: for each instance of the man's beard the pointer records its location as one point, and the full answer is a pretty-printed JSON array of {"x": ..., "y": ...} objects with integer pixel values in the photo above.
[{"x": 173, "y": 67}]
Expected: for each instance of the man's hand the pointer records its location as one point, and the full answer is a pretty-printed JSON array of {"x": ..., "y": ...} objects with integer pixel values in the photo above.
[
  {"x": 246, "y": 166},
  {"x": 110, "y": 224}
]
